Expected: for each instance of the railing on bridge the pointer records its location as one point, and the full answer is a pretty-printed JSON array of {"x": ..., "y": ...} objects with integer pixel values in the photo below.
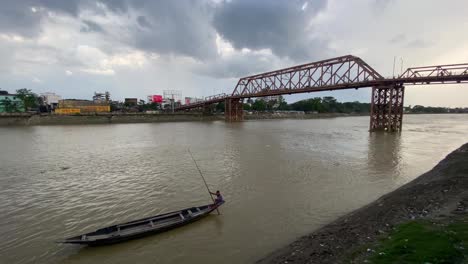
[
  {"x": 326, "y": 74},
  {"x": 206, "y": 101},
  {"x": 215, "y": 97},
  {"x": 451, "y": 73},
  {"x": 441, "y": 70}
]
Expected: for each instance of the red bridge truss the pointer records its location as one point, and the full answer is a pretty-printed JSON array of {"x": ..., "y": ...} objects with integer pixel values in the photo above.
[
  {"x": 344, "y": 72},
  {"x": 338, "y": 73}
]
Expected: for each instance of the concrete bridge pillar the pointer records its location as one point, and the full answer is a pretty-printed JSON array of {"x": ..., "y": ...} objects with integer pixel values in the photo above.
[
  {"x": 233, "y": 110},
  {"x": 387, "y": 108}
]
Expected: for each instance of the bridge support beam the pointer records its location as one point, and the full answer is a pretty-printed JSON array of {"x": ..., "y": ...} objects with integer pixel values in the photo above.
[
  {"x": 233, "y": 110},
  {"x": 387, "y": 108}
]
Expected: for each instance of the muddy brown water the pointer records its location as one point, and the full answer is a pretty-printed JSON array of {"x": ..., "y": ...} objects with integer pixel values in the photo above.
[{"x": 281, "y": 179}]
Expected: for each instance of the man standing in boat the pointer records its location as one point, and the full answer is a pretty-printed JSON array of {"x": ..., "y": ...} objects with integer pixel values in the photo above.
[{"x": 219, "y": 197}]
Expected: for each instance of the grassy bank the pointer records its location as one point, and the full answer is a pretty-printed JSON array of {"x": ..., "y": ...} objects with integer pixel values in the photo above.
[{"x": 419, "y": 241}]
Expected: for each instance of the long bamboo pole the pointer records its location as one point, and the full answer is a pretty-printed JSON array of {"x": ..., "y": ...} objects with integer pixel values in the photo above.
[{"x": 203, "y": 178}]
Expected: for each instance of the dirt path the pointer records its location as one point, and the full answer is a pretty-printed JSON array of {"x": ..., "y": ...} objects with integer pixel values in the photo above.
[{"x": 439, "y": 193}]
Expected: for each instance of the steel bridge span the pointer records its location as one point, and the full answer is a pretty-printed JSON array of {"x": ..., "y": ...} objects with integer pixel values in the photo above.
[{"x": 346, "y": 72}]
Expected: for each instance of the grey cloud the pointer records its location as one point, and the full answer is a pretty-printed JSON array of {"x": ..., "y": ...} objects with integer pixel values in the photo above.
[
  {"x": 166, "y": 27},
  {"x": 189, "y": 28},
  {"x": 281, "y": 26},
  {"x": 90, "y": 26},
  {"x": 238, "y": 66},
  {"x": 398, "y": 38},
  {"x": 7, "y": 60},
  {"x": 143, "y": 22},
  {"x": 381, "y": 5},
  {"x": 415, "y": 43},
  {"x": 419, "y": 43},
  {"x": 69, "y": 6},
  {"x": 17, "y": 17},
  {"x": 120, "y": 6},
  {"x": 230, "y": 69},
  {"x": 170, "y": 27}
]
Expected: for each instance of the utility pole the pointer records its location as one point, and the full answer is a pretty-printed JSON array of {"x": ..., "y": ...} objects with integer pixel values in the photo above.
[
  {"x": 401, "y": 70},
  {"x": 172, "y": 95}
]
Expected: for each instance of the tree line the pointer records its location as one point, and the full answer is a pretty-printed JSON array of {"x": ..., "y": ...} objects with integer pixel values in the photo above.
[
  {"x": 30, "y": 101},
  {"x": 329, "y": 104},
  {"x": 419, "y": 109}
]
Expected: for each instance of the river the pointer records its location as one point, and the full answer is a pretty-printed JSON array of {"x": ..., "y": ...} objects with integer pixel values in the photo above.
[{"x": 281, "y": 179}]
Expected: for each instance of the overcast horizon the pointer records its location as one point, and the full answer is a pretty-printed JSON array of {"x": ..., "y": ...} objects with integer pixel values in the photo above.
[{"x": 138, "y": 48}]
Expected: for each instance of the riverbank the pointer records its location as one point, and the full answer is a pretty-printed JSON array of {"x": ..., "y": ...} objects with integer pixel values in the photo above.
[
  {"x": 25, "y": 119},
  {"x": 296, "y": 115},
  {"x": 437, "y": 198}
]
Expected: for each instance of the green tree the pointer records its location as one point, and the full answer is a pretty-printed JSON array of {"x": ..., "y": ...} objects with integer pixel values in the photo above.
[
  {"x": 259, "y": 105},
  {"x": 283, "y": 105},
  {"x": 220, "y": 107},
  {"x": 270, "y": 105},
  {"x": 329, "y": 104},
  {"x": 30, "y": 99}
]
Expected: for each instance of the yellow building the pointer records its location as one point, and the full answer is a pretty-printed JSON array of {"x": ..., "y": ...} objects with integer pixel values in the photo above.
[{"x": 74, "y": 106}]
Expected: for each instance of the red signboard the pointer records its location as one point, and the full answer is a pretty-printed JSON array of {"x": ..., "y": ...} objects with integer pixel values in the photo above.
[{"x": 157, "y": 99}]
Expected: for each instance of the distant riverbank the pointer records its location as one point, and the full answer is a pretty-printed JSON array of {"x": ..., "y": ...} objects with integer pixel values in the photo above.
[
  {"x": 422, "y": 220},
  {"x": 27, "y": 119},
  {"x": 101, "y": 118},
  {"x": 19, "y": 119}
]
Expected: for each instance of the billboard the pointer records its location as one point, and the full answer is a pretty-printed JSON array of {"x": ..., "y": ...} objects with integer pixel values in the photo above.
[{"x": 156, "y": 98}]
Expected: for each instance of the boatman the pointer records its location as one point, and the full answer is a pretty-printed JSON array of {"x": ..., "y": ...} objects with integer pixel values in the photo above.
[{"x": 219, "y": 197}]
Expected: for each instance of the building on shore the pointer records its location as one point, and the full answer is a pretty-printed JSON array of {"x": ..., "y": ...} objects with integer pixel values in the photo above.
[
  {"x": 51, "y": 100},
  {"x": 131, "y": 101},
  {"x": 101, "y": 97},
  {"x": 77, "y": 106},
  {"x": 10, "y": 103}
]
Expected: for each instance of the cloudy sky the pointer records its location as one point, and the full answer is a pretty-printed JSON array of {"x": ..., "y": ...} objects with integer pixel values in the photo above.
[{"x": 134, "y": 48}]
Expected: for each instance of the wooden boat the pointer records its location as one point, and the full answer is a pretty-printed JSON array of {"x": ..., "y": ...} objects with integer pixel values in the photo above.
[{"x": 143, "y": 227}]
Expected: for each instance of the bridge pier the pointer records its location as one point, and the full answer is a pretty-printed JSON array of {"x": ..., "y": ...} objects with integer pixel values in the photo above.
[
  {"x": 233, "y": 110},
  {"x": 387, "y": 108}
]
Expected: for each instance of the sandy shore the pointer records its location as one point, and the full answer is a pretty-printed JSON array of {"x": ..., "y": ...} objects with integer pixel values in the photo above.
[{"x": 440, "y": 194}]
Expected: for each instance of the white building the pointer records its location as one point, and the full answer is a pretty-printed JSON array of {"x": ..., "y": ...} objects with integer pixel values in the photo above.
[
  {"x": 51, "y": 98},
  {"x": 271, "y": 98}
]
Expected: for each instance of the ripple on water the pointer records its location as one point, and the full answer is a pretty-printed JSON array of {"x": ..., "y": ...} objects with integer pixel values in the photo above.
[{"x": 281, "y": 179}]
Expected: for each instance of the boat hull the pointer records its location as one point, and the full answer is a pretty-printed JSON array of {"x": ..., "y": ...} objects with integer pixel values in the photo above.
[{"x": 142, "y": 227}]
